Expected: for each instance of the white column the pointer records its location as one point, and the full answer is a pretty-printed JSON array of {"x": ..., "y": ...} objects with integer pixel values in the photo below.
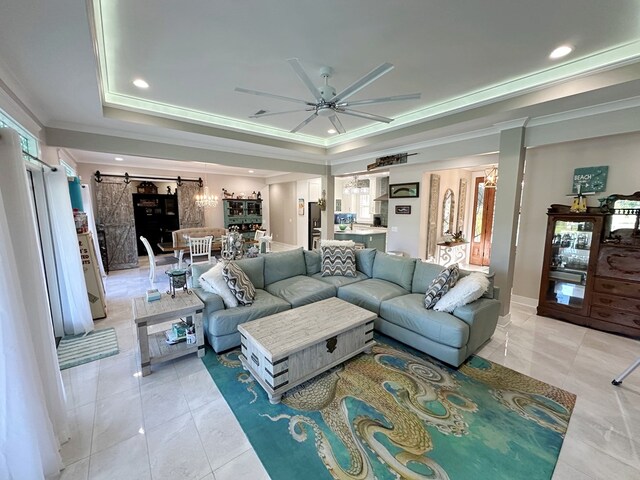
[{"x": 507, "y": 208}]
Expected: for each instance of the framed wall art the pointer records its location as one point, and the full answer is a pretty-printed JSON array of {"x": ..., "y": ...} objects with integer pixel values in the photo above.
[
  {"x": 403, "y": 209},
  {"x": 404, "y": 190}
]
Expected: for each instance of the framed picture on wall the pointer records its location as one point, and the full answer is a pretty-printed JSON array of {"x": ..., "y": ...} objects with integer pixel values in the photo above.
[
  {"x": 403, "y": 209},
  {"x": 404, "y": 190},
  {"x": 301, "y": 206}
]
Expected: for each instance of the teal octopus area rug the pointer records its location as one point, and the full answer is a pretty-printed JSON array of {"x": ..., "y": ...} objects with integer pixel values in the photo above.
[{"x": 397, "y": 413}]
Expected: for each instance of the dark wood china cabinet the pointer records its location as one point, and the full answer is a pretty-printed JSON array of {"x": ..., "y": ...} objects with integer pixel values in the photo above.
[{"x": 591, "y": 266}]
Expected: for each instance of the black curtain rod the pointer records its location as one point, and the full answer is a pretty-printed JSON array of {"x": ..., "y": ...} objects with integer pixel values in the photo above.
[
  {"x": 31, "y": 157},
  {"x": 127, "y": 178}
]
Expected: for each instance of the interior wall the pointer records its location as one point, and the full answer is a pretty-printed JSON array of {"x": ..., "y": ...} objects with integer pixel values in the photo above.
[
  {"x": 282, "y": 224},
  {"x": 308, "y": 191},
  {"x": 407, "y": 233},
  {"x": 213, "y": 216},
  {"x": 548, "y": 179}
]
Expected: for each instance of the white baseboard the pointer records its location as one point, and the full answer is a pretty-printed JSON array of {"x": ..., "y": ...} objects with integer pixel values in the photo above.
[
  {"x": 526, "y": 301},
  {"x": 504, "y": 320}
]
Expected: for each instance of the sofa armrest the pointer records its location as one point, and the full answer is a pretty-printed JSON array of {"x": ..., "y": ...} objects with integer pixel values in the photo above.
[
  {"x": 496, "y": 293},
  {"x": 482, "y": 318},
  {"x": 477, "y": 310},
  {"x": 212, "y": 301}
]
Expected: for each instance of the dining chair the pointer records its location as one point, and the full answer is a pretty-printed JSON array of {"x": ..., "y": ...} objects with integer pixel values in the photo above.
[
  {"x": 200, "y": 247},
  {"x": 259, "y": 234},
  {"x": 265, "y": 244},
  {"x": 153, "y": 260}
]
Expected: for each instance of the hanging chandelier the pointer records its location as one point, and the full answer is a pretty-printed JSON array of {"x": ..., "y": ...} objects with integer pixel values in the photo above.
[
  {"x": 204, "y": 199},
  {"x": 356, "y": 187},
  {"x": 491, "y": 177}
]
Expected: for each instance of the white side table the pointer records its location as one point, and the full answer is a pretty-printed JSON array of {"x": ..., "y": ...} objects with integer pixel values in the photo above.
[
  {"x": 450, "y": 253},
  {"x": 154, "y": 348}
]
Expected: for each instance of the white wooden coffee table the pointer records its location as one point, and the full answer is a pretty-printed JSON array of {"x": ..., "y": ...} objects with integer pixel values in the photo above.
[
  {"x": 283, "y": 350},
  {"x": 154, "y": 348}
]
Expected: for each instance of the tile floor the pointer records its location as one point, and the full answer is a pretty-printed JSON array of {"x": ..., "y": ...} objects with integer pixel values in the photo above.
[{"x": 174, "y": 423}]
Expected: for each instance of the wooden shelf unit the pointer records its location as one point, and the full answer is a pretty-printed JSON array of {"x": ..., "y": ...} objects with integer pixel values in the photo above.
[{"x": 596, "y": 285}]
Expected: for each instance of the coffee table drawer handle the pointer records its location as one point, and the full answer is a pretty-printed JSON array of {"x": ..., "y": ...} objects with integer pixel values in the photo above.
[
  {"x": 332, "y": 343},
  {"x": 254, "y": 359}
]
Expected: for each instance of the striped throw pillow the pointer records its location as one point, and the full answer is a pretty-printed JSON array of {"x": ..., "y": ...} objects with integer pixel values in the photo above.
[
  {"x": 445, "y": 280},
  {"x": 338, "y": 260},
  {"x": 239, "y": 284}
]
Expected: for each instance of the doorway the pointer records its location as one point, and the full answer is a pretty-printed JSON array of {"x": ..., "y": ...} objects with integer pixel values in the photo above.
[
  {"x": 483, "y": 207},
  {"x": 313, "y": 223}
]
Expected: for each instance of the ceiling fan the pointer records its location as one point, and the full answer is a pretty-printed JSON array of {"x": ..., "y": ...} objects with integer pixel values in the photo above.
[{"x": 327, "y": 102}]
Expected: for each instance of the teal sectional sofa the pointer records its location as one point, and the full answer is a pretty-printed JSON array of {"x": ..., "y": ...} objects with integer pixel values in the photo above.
[{"x": 390, "y": 286}]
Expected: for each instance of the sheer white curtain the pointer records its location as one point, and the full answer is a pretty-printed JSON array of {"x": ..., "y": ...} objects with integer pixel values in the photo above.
[
  {"x": 76, "y": 311},
  {"x": 33, "y": 417}
]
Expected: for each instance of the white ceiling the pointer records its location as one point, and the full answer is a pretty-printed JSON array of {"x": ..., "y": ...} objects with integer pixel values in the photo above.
[
  {"x": 459, "y": 55},
  {"x": 132, "y": 161}
]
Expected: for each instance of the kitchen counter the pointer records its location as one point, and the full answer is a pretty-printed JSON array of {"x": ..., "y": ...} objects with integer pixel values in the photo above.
[
  {"x": 363, "y": 231},
  {"x": 372, "y": 237}
]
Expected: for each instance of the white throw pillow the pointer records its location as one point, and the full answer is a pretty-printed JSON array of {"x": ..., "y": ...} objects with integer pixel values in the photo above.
[
  {"x": 212, "y": 281},
  {"x": 467, "y": 290}
]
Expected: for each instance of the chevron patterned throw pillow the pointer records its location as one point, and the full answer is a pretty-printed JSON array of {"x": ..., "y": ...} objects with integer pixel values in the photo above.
[
  {"x": 239, "y": 283},
  {"x": 445, "y": 280},
  {"x": 338, "y": 260}
]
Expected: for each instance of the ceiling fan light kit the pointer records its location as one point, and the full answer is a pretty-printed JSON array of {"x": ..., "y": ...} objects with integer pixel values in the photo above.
[{"x": 327, "y": 102}]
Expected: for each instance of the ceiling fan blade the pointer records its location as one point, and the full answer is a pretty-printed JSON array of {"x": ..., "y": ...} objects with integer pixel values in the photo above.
[
  {"x": 271, "y": 95},
  {"x": 268, "y": 114},
  {"x": 297, "y": 67},
  {"x": 368, "y": 116},
  {"x": 396, "y": 98},
  {"x": 309, "y": 119},
  {"x": 362, "y": 82},
  {"x": 337, "y": 124}
]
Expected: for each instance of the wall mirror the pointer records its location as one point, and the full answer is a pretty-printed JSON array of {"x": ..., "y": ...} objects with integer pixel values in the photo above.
[
  {"x": 624, "y": 218},
  {"x": 448, "y": 212}
]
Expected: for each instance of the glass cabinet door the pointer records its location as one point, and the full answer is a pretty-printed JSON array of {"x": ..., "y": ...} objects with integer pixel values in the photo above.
[{"x": 569, "y": 262}]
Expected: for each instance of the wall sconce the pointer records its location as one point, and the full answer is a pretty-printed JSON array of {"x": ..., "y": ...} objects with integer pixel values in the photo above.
[{"x": 491, "y": 177}]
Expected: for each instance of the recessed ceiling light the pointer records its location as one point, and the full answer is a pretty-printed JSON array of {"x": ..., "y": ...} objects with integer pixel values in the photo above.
[
  {"x": 331, "y": 131},
  {"x": 140, "y": 83},
  {"x": 561, "y": 51},
  {"x": 251, "y": 171},
  {"x": 118, "y": 159}
]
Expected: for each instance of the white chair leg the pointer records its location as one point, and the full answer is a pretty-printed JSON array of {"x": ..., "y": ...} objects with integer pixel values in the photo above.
[{"x": 152, "y": 273}]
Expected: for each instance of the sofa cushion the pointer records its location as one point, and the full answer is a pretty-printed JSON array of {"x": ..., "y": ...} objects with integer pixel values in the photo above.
[
  {"x": 466, "y": 290},
  {"x": 254, "y": 268},
  {"x": 364, "y": 260},
  {"x": 301, "y": 290},
  {"x": 441, "y": 285},
  {"x": 281, "y": 265},
  {"x": 224, "y": 322},
  {"x": 423, "y": 275},
  {"x": 239, "y": 283},
  {"x": 491, "y": 276},
  {"x": 370, "y": 292},
  {"x": 392, "y": 268},
  {"x": 338, "y": 260},
  {"x": 408, "y": 311},
  {"x": 212, "y": 281},
  {"x": 338, "y": 281},
  {"x": 313, "y": 261}
]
